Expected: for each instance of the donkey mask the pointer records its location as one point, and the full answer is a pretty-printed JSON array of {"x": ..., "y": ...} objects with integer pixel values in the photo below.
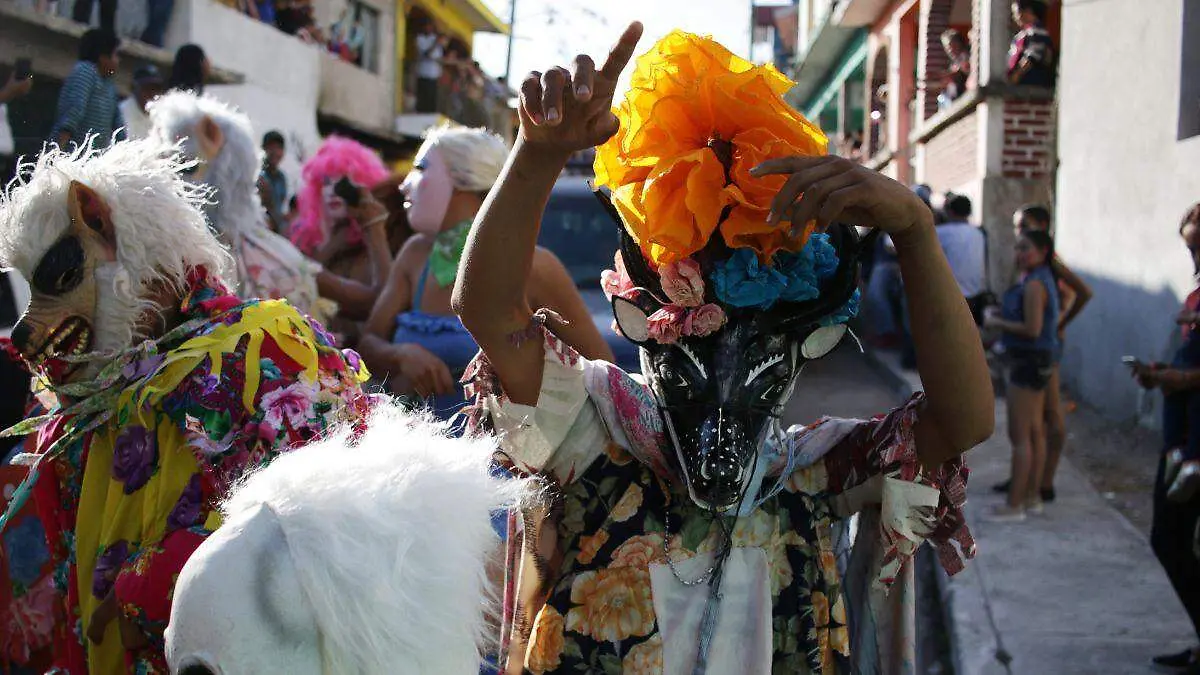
[{"x": 719, "y": 394}]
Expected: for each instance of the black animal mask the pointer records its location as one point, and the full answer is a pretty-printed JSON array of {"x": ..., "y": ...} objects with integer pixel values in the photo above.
[{"x": 719, "y": 393}]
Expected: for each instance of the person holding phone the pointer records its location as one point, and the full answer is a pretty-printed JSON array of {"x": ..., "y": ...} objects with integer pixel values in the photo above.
[{"x": 1175, "y": 533}]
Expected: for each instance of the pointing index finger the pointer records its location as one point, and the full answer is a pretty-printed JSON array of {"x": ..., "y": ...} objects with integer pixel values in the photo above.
[{"x": 622, "y": 52}]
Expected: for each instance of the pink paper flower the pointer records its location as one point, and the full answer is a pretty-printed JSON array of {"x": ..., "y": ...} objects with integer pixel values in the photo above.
[
  {"x": 616, "y": 281},
  {"x": 682, "y": 283},
  {"x": 666, "y": 325},
  {"x": 291, "y": 406},
  {"x": 704, "y": 320}
]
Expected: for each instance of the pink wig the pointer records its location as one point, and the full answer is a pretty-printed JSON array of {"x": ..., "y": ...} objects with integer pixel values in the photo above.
[{"x": 336, "y": 157}]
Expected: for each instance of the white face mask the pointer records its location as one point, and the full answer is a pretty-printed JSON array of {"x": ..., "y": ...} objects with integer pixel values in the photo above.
[
  {"x": 427, "y": 191},
  {"x": 334, "y": 206}
]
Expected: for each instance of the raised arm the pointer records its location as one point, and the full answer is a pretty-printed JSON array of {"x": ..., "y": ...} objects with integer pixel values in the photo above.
[
  {"x": 561, "y": 112},
  {"x": 960, "y": 405}
]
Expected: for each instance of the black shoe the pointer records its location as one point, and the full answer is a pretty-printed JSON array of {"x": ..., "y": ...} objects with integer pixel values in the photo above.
[
  {"x": 1004, "y": 487},
  {"x": 1184, "y": 660},
  {"x": 1047, "y": 494}
]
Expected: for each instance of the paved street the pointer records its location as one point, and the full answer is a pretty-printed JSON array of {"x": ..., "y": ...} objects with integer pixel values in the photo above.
[
  {"x": 1076, "y": 590},
  {"x": 842, "y": 384}
]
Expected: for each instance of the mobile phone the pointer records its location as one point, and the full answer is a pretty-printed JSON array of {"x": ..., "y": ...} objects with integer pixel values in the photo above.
[
  {"x": 348, "y": 191},
  {"x": 1131, "y": 361},
  {"x": 23, "y": 69}
]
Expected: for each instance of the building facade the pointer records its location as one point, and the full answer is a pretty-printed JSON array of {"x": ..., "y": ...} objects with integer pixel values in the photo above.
[
  {"x": 1129, "y": 167},
  {"x": 874, "y": 74}
]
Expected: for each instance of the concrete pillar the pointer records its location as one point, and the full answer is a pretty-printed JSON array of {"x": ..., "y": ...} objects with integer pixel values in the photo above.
[{"x": 995, "y": 34}]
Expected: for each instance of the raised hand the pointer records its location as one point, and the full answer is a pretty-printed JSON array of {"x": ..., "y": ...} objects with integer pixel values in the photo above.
[
  {"x": 828, "y": 189},
  {"x": 570, "y": 110}
]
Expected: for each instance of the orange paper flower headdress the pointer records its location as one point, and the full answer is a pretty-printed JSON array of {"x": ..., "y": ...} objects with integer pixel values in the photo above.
[{"x": 696, "y": 119}]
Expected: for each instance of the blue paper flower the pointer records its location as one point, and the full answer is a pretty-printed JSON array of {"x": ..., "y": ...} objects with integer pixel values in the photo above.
[
  {"x": 824, "y": 255},
  {"x": 742, "y": 281},
  {"x": 848, "y": 311},
  {"x": 801, "y": 277}
]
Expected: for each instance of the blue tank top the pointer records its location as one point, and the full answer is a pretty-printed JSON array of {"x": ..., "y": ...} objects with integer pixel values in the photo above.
[
  {"x": 444, "y": 337},
  {"x": 1013, "y": 309}
]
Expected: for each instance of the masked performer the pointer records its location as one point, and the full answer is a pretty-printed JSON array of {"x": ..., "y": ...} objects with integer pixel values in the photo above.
[
  {"x": 169, "y": 388},
  {"x": 268, "y": 265},
  {"x": 684, "y": 531}
]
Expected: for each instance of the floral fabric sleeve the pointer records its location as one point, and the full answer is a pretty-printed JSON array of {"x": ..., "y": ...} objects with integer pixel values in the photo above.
[
  {"x": 562, "y": 435},
  {"x": 875, "y": 463}
]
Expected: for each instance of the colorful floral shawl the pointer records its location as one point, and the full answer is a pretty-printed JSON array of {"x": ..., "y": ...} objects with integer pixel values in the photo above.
[
  {"x": 125, "y": 503},
  {"x": 581, "y": 572}
]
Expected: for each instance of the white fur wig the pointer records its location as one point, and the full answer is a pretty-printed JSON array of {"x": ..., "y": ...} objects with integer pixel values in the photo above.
[
  {"x": 475, "y": 157},
  {"x": 233, "y": 173},
  {"x": 156, "y": 216},
  {"x": 363, "y": 557}
]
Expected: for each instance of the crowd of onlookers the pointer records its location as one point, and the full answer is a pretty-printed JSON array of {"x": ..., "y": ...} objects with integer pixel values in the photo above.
[{"x": 444, "y": 79}]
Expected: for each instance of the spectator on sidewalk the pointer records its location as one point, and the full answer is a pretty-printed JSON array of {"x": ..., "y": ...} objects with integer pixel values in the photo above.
[
  {"x": 274, "y": 181},
  {"x": 81, "y": 12},
  {"x": 1032, "y": 58},
  {"x": 1028, "y": 317},
  {"x": 1073, "y": 293},
  {"x": 965, "y": 248},
  {"x": 147, "y": 86},
  {"x": 190, "y": 70},
  {"x": 1175, "y": 534},
  {"x": 158, "y": 15},
  {"x": 87, "y": 103},
  {"x": 430, "y": 50}
]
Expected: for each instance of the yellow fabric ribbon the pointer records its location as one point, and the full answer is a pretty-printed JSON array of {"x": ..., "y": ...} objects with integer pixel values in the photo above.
[{"x": 106, "y": 514}]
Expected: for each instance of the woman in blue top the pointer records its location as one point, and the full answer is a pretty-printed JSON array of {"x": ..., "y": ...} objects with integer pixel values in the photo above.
[
  {"x": 1028, "y": 318},
  {"x": 412, "y": 338}
]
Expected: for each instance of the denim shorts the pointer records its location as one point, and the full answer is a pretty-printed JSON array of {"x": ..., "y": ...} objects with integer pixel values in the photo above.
[{"x": 1030, "y": 368}]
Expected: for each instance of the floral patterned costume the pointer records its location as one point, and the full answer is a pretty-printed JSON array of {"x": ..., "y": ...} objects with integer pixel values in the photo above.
[
  {"x": 127, "y": 502},
  {"x": 596, "y": 585}
]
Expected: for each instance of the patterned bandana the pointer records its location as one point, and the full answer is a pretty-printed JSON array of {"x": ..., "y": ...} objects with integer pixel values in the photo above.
[{"x": 447, "y": 250}]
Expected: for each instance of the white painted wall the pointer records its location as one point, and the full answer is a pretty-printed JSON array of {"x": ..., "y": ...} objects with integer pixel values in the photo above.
[
  {"x": 1123, "y": 184},
  {"x": 282, "y": 73}
]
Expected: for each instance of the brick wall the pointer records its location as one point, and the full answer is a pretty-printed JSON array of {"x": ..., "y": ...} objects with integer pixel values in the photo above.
[
  {"x": 935, "y": 19},
  {"x": 1028, "y": 139},
  {"x": 951, "y": 158}
]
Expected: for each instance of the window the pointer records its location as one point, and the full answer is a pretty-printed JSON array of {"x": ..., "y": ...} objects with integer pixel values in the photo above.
[
  {"x": 354, "y": 36},
  {"x": 1189, "y": 72}
]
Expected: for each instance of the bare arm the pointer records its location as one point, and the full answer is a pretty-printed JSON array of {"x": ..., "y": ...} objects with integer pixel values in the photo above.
[
  {"x": 1083, "y": 292},
  {"x": 557, "y": 118},
  {"x": 551, "y": 286},
  {"x": 395, "y": 297},
  {"x": 1034, "y": 303}
]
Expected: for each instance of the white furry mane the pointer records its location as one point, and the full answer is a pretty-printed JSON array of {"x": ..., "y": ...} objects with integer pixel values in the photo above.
[
  {"x": 234, "y": 173},
  {"x": 389, "y": 535},
  {"x": 156, "y": 215}
]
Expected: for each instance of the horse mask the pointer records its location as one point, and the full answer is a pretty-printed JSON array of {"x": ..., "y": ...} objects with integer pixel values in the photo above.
[{"x": 720, "y": 394}]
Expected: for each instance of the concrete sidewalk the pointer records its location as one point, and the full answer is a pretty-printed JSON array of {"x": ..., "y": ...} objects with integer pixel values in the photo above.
[{"x": 1076, "y": 590}]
